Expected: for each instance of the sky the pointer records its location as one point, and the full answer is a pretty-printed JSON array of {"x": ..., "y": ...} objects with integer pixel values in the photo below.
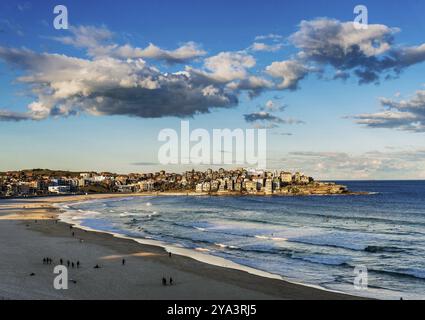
[{"x": 338, "y": 102}]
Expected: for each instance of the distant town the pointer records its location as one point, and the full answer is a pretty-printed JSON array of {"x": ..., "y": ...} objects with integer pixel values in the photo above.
[{"x": 44, "y": 182}]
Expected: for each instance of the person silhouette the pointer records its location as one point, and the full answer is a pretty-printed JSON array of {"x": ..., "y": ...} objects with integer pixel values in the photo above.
[
  {"x": 164, "y": 281},
  {"x": 123, "y": 261},
  {"x": 171, "y": 281}
]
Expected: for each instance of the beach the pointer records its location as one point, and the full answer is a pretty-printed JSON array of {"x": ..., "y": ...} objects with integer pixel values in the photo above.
[{"x": 30, "y": 231}]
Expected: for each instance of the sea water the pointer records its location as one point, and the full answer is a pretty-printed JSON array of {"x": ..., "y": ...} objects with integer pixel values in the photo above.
[{"x": 316, "y": 240}]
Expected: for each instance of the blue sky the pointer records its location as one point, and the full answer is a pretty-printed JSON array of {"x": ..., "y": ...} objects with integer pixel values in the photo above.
[{"x": 329, "y": 128}]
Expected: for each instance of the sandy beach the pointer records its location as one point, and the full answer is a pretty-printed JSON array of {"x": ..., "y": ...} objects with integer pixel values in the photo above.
[{"x": 30, "y": 231}]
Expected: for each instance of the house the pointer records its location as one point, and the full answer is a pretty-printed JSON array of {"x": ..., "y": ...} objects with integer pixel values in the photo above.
[
  {"x": 285, "y": 177},
  {"x": 59, "y": 189}
]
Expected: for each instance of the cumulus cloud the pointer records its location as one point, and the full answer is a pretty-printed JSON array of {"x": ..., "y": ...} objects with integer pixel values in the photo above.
[
  {"x": 254, "y": 85},
  {"x": 116, "y": 79},
  {"x": 228, "y": 66},
  {"x": 368, "y": 53},
  {"x": 408, "y": 115},
  {"x": 108, "y": 86},
  {"x": 290, "y": 71},
  {"x": 97, "y": 41},
  {"x": 186, "y": 52}
]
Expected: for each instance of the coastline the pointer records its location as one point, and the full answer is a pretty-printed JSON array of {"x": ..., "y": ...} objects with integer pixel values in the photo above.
[{"x": 36, "y": 218}]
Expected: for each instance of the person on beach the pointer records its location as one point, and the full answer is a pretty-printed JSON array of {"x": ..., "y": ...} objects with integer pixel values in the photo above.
[
  {"x": 164, "y": 281},
  {"x": 68, "y": 263},
  {"x": 44, "y": 260},
  {"x": 169, "y": 254},
  {"x": 72, "y": 264},
  {"x": 171, "y": 281},
  {"x": 96, "y": 267},
  {"x": 73, "y": 234},
  {"x": 61, "y": 261},
  {"x": 123, "y": 262},
  {"x": 78, "y": 264}
]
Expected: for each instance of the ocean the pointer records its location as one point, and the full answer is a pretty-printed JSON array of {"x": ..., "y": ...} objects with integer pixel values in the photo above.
[{"x": 316, "y": 240}]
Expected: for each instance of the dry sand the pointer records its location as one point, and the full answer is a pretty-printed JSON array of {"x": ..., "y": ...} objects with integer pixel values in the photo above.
[{"x": 29, "y": 231}]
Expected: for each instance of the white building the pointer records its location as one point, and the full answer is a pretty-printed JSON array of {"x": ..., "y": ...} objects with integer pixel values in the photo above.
[{"x": 59, "y": 189}]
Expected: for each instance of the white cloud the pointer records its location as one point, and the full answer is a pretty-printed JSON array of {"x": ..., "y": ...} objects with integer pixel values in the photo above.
[
  {"x": 290, "y": 71},
  {"x": 108, "y": 86},
  {"x": 229, "y": 66},
  {"x": 186, "y": 52},
  {"x": 407, "y": 115},
  {"x": 260, "y": 46},
  {"x": 269, "y": 36},
  {"x": 97, "y": 40},
  {"x": 368, "y": 53}
]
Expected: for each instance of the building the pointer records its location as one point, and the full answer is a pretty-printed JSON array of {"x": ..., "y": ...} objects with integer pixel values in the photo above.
[
  {"x": 304, "y": 179},
  {"x": 222, "y": 186},
  {"x": 206, "y": 187},
  {"x": 297, "y": 178},
  {"x": 285, "y": 178},
  {"x": 59, "y": 189},
  {"x": 126, "y": 188},
  {"x": 251, "y": 186},
  {"x": 199, "y": 187},
  {"x": 276, "y": 184},
  {"x": 268, "y": 186}
]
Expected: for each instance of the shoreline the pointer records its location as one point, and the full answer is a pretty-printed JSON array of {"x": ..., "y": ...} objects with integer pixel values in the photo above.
[
  {"x": 187, "y": 194},
  {"x": 234, "y": 280}
]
